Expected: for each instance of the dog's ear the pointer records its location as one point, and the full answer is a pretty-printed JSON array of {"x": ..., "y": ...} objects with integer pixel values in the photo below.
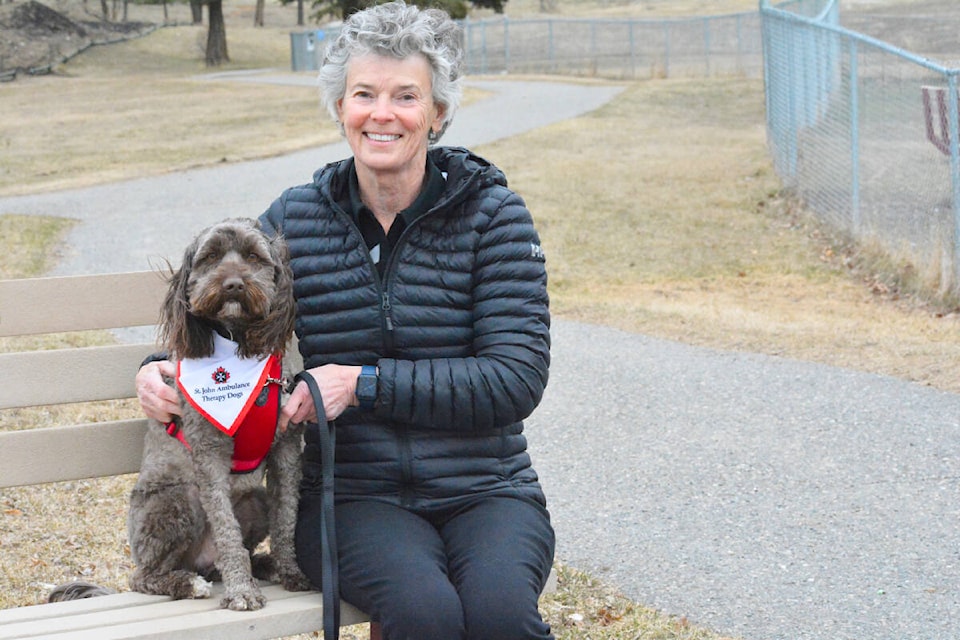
[
  {"x": 279, "y": 324},
  {"x": 181, "y": 334}
]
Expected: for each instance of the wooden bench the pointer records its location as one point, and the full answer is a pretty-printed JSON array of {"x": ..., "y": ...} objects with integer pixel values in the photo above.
[
  {"x": 64, "y": 452},
  {"x": 76, "y": 451},
  {"x": 37, "y": 306}
]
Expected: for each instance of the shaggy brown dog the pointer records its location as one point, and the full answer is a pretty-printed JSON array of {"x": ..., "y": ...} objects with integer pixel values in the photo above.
[{"x": 191, "y": 518}]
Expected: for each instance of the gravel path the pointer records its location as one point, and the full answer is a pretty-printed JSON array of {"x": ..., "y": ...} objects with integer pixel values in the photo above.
[
  {"x": 758, "y": 496},
  {"x": 761, "y": 497}
]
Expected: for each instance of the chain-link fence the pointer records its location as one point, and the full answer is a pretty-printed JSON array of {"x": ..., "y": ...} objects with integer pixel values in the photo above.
[
  {"x": 616, "y": 48},
  {"x": 866, "y": 134},
  {"x": 621, "y": 48}
]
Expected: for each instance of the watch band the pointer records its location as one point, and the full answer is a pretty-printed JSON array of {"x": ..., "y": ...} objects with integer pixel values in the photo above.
[{"x": 367, "y": 387}]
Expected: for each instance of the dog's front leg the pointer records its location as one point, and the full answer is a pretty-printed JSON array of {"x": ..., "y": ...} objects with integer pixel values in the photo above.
[
  {"x": 283, "y": 487},
  {"x": 211, "y": 454}
]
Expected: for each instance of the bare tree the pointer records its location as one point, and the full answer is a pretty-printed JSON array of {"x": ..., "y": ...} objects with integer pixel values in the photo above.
[
  {"x": 196, "y": 11},
  {"x": 216, "y": 35}
]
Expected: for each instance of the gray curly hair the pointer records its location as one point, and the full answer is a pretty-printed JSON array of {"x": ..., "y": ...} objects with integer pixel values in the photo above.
[{"x": 399, "y": 31}]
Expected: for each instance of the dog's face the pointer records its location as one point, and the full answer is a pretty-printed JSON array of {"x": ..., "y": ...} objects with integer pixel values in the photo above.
[
  {"x": 232, "y": 275},
  {"x": 235, "y": 278}
]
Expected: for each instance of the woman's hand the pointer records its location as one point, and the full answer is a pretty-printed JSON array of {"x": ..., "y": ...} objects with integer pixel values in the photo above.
[
  {"x": 158, "y": 399},
  {"x": 338, "y": 388}
]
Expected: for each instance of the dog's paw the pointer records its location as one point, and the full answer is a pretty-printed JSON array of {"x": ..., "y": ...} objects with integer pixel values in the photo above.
[
  {"x": 249, "y": 599},
  {"x": 294, "y": 580},
  {"x": 200, "y": 587}
]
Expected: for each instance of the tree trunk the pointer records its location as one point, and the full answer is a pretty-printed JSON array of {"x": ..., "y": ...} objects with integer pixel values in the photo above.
[
  {"x": 216, "y": 35},
  {"x": 350, "y": 7},
  {"x": 106, "y": 10},
  {"x": 299, "y": 13},
  {"x": 196, "y": 11},
  {"x": 258, "y": 14}
]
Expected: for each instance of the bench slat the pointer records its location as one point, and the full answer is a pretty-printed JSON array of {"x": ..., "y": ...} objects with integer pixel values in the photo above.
[
  {"x": 39, "y": 305},
  {"x": 36, "y": 378},
  {"x": 56, "y": 454},
  {"x": 158, "y": 617}
]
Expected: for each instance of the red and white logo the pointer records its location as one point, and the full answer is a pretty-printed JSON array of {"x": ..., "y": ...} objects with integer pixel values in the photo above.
[{"x": 236, "y": 384}]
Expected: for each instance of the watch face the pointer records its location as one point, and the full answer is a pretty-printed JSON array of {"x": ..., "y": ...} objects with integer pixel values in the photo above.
[
  {"x": 367, "y": 387},
  {"x": 367, "y": 390}
]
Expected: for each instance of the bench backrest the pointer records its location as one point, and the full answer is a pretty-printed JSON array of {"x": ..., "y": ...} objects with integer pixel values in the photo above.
[{"x": 36, "y": 306}]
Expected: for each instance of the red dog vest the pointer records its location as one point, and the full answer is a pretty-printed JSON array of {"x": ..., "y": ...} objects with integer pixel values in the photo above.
[{"x": 240, "y": 396}]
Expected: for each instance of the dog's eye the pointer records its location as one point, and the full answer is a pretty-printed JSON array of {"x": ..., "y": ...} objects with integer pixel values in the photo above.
[{"x": 253, "y": 258}]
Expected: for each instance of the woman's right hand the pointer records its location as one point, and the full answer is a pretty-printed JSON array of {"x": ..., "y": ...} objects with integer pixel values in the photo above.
[
  {"x": 338, "y": 389},
  {"x": 157, "y": 398}
]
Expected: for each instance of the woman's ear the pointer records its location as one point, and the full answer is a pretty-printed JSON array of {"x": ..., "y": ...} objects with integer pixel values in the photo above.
[{"x": 441, "y": 114}]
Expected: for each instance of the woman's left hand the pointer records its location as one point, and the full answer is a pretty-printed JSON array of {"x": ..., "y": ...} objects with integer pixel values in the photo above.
[{"x": 338, "y": 388}]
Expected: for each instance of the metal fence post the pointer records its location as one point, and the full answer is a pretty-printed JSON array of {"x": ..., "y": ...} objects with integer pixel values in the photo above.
[
  {"x": 666, "y": 49},
  {"x": 854, "y": 139},
  {"x": 483, "y": 47},
  {"x": 952, "y": 114},
  {"x": 706, "y": 45},
  {"x": 739, "y": 44},
  {"x": 551, "y": 56},
  {"x": 506, "y": 44}
]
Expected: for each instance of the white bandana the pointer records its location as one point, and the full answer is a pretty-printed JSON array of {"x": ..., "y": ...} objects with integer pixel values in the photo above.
[{"x": 224, "y": 386}]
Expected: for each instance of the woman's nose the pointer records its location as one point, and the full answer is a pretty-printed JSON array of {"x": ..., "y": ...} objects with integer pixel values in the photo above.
[{"x": 382, "y": 109}]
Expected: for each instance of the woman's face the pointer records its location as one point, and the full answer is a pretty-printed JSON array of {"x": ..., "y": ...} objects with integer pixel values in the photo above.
[{"x": 387, "y": 111}]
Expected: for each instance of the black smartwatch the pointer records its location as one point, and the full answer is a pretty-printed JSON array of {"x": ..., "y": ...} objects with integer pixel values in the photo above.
[{"x": 367, "y": 387}]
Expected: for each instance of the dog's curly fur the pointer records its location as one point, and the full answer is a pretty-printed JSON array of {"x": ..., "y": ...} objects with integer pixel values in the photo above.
[{"x": 190, "y": 519}]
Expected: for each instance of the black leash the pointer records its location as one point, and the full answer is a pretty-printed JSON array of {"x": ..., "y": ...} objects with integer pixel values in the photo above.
[{"x": 330, "y": 585}]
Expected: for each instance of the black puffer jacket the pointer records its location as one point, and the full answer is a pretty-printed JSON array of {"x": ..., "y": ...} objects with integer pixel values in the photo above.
[{"x": 459, "y": 328}]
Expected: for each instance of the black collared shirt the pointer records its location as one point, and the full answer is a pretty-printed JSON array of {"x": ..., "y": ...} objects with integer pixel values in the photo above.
[{"x": 379, "y": 243}]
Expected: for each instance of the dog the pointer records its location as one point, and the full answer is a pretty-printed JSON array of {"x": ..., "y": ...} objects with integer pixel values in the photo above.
[
  {"x": 199, "y": 508},
  {"x": 78, "y": 590}
]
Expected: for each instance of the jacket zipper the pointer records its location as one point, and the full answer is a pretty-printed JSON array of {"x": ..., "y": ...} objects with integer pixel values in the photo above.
[{"x": 385, "y": 306}]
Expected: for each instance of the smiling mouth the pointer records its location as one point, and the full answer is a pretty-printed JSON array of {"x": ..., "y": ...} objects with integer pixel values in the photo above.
[{"x": 383, "y": 137}]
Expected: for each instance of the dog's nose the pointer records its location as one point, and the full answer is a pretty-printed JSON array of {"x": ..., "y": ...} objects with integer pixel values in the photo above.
[{"x": 233, "y": 285}]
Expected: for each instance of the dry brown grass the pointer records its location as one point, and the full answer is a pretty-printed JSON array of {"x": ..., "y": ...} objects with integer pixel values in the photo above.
[
  {"x": 85, "y": 124},
  {"x": 678, "y": 230},
  {"x": 659, "y": 213}
]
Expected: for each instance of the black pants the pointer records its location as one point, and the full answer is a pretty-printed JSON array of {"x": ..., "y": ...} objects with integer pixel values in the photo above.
[{"x": 473, "y": 574}]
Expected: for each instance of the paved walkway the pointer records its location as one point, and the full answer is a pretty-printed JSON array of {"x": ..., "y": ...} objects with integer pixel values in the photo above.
[{"x": 761, "y": 497}]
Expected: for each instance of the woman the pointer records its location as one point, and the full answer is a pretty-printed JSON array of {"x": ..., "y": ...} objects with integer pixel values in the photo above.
[{"x": 423, "y": 317}]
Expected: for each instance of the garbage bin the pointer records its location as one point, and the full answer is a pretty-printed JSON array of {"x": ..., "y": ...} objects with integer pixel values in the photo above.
[{"x": 306, "y": 48}]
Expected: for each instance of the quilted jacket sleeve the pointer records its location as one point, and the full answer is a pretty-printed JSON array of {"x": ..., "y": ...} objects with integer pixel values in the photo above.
[
  {"x": 505, "y": 332},
  {"x": 271, "y": 221}
]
